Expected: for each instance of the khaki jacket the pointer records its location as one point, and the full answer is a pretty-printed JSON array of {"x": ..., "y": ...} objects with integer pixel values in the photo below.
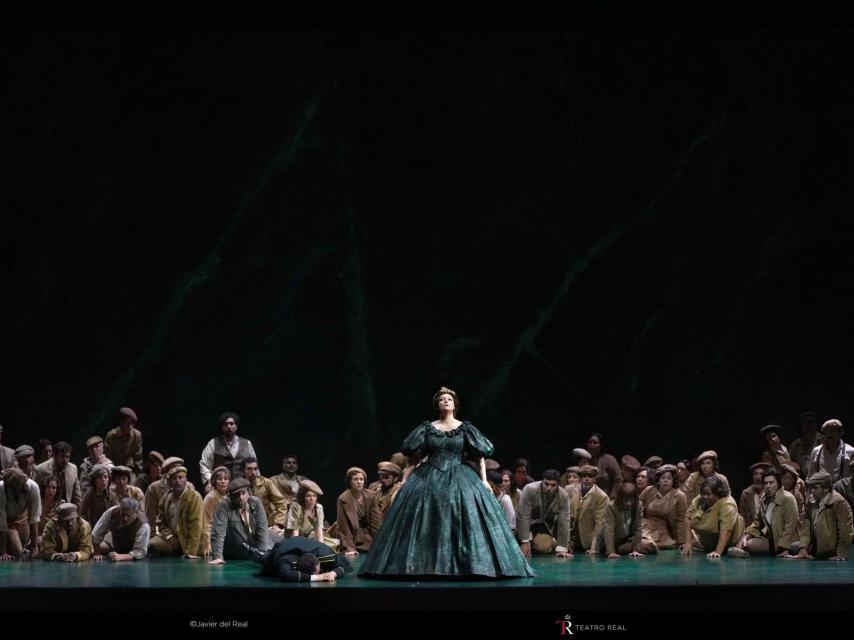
[
  {"x": 56, "y": 540},
  {"x": 784, "y": 521},
  {"x": 275, "y": 506},
  {"x": 190, "y": 525},
  {"x": 832, "y": 531},
  {"x": 616, "y": 531},
  {"x": 384, "y": 501},
  {"x": 706, "y": 525},
  {"x": 124, "y": 450},
  {"x": 587, "y": 515},
  {"x": 353, "y": 536},
  {"x": 533, "y": 509},
  {"x": 284, "y": 487},
  {"x": 665, "y": 520},
  {"x": 45, "y": 470},
  {"x": 691, "y": 488},
  {"x": 747, "y": 504}
]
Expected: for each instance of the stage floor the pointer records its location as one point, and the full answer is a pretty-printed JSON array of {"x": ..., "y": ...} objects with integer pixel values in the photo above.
[{"x": 584, "y": 580}]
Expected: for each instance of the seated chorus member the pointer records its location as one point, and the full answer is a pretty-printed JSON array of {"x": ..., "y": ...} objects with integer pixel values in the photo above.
[
  {"x": 580, "y": 457},
  {"x": 288, "y": 481},
  {"x": 156, "y": 490},
  {"x": 97, "y": 498},
  {"x": 629, "y": 467},
  {"x": 791, "y": 481},
  {"x": 128, "y": 530},
  {"x": 356, "y": 517},
  {"x": 50, "y": 503},
  {"x": 571, "y": 477},
  {"x": 588, "y": 504},
  {"x": 496, "y": 484},
  {"x": 151, "y": 469},
  {"x": 665, "y": 520},
  {"x": 122, "y": 488},
  {"x": 521, "y": 476},
  {"x": 95, "y": 446},
  {"x": 179, "y": 519},
  {"x": 64, "y": 471},
  {"x": 238, "y": 521},
  {"x": 123, "y": 444},
  {"x": 305, "y": 517},
  {"x": 226, "y": 450},
  {"x": 609, "y": 468},
  {"x": 67, "y": 537},
  {"x": 653, "y": 462},
  {"x": 542, "y": 519},
  {"x": 509, "y": 489},
  {"x": 25, "y": 456},
  {"x": 751, "y": 498},
  {"x": 708, "y": 461},
  {"x": 775, "y": 528},
  {"x": 275, "y": 507},
  {"x": 833, "y": 456},
  {"x": 715, "y": 521},
  {"x": 644, "y": 478},
  {"x": 301, "y": 560},
  {"x": 827, "y": 527},
  {"x": 45, "y": 451},
  {"x": 622, "y": 532},
  {"x": 843, "y": 487},
  {"x": 219, "y": 492},
  {"x": 801, "y": 449},
  {"x": 20, "y": 513},
  {"x": 390, "y": 475},
  {"x": 775, "y": 452},
  {"x": 683, "y": 471}
]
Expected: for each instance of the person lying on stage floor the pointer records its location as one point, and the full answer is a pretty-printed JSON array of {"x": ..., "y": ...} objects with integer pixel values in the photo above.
[
  {"x": 180, "y": 517},
  {"x": 300, "y": 560},
  {"x": 622, "y": 533},
  {"x": 305, "y": 517},
  {"x": 775, "y": 452},
  {"x": 152, "y": 468},
  {"x": 497, "y": 485},
  {"x": 390, "y": 476},
  {"x": 64, "y": 471},
  {"x": 644, "y": 478},
  {"x": 843, "y": 487},
  {"x": 128, "y": 530},
  {"x": 275, "y": 507},
  {"x": 20, "y": 513},
  {"x": 356, "y": 522},
  {"x": 26, "y": 456},
  {"x": 801, "y": 449},
  {"x": 791, "y": 481},
  {"x": 751, "y": 498},
  {"x": 67, "y": 537},
  {"x": 238, "y": 521},
  {"x": 665, "y": 521},
  {"x": 775, "y": 528},
  {"x": 97, "y": 498},
  {"x": 156, "y": 490},
  {"x": 609, "y": 468},
  {"x": 654, "y": 462},
  {"x": 226, "y": 450},
  {"x": 122, "y": 488},
  {"x": 708, "y": 461},
  {"x": 827, "y": 527},
  {"x": 219, "y": 492},
  {"x": 124, "y": 443},
  {"x": 542, "y": 519},
  {"x": 587, "y": 504},
  {"x": 833, "y": 456},
  {"x": 715, "y": 521},
  {"x": 288, "y": 481},
  {"x": 95, "y": 446},
  {"x": 629, "y": 467}
]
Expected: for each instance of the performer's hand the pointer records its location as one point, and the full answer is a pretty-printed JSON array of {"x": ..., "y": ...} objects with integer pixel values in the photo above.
[
  {"x": 592, "y": 552},
  {"x": 838, "y": 559},
  {"x": 782, "y": 554},
  {"x": 526, "y": 549},
  {"x": 330, "y": 576},
  {"x": 636, "y": 554},
  {"x": 351, "y": 554},
  {"x": 687, "y": 550},
  {"x": 614, "y": 555},
  {"x": 97, "y": 557},
  {"x": 713, "y": 555},
  {"x": 4, "y": 557},
  {"x": 217, "y": 561},
  {"x": 70, "y": 557},
  {"x": 563, "y": 554},
  {"x": 190, "y": 556},
  {"x": 114, "y": 556}
]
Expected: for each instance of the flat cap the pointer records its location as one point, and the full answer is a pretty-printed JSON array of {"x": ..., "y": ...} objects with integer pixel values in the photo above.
[
  {"x": 666, "y": 468},
  {"x": 170, "y": 462},
  {"x": 156, "y": 456},
  {"x": 67, "y": 511},
  {"x": 176, "y": 469},
  {"x": 353, "y": 470},
  {"x": 218, "y": 469},
  {"x": 820, "y": 477},
  {"x": 707, "y": 455},
  {"x": 14, "y": 477},
  {"x": 771, "y": 428},
  {"x": 830, "y": 424},
  {"x": 760, "y": 465},
  {"x": 24, "y": 450},
  {"x": 807, "y": 414},
  {"x": 311, "y": 485},
  {"x": 787, "y": 467},
  {"x": 491, "y": 465},
  {"x": 127, "y": 412},
  {"x": 121, "y": 470},
  {"x": 631, "y": 463},
  {"x": 238, "y": 484},
  {"x": 93, "y": 441},
  {"x": 578, "y": 452},
  {"x": 389, "y": 467},
  {"x": 653, "y": 460},
  {"x": 588, "y": 470}
]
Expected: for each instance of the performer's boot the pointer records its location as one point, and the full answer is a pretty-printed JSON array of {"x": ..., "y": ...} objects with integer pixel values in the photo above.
[{"x": 255, "y": 554}]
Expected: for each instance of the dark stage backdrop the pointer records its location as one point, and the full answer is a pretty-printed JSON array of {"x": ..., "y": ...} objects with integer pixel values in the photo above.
[{"x": 637, "y": 233}]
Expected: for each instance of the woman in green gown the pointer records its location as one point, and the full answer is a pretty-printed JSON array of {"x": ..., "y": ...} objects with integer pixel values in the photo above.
[{"x": 445, "y": 520}]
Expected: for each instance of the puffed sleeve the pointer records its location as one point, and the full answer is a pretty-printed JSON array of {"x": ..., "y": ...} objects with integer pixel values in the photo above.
[
  {"x": 476, "y": 443},
  {"x": 415, "y": 440}
]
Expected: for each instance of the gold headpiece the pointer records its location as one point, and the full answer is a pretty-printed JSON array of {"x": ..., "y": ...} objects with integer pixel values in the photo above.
[{"x": 446, "y": 390}]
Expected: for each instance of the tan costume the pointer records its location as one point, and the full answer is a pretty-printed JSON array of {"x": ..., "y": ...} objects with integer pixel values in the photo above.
[
  {"x": 692, "y": 485},
  {"x": 180, "y": 526},
  {"x": 782, "y": 530},
  {"x": 275, "y": 507},
  {"x": 67, "y": 480},
  {"x": 665, "y": 520},
  {"x": 587, "y": 515},
  {"x": 356, "y": 523},
  {"x": 77, "y": 541},
  {"x": 706, "y": 525},
  {"x": 827, "y": 527},
  {"x": 622, "y": 528}
]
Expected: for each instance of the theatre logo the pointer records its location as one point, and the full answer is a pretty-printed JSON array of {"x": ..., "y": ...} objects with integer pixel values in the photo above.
[{"x": 568, "y": 628}]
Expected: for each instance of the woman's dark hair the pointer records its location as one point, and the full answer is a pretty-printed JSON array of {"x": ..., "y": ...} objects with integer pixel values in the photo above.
[
  {"x": 551, "y": 474},
  {"x": 522, "y": 462},
  {"x": 717, "y": 487},
  {"x": 621, "y": 493},
  {"x": 598, "y": 436},
  {"x": 494, "y": 477},
  {"x": 301, "y": 494},
  {"x": 48, "y": 480},
  {"x": 687, "y": 463},
  {"x": 441, "y": 392}
]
